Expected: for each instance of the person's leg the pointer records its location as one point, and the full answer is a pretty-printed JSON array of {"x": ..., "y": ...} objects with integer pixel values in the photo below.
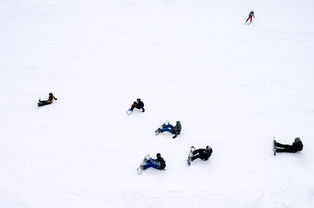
[
  {"x": 45, "y": 102},
  {"x": 197, "y": 151},
  {"x": 282, "y": 145},
  {"x": 151, "y": 164},
  {"x": 137, "y": 107},
  {"x": 251, "y": 19},
  {"x": 167, "y": 127},
  {"x": 195, "y": 157},
  {"x": 133, "y": 106},
  {"x": 290, "y": 150},
  {"x": 247, "y": 19}
]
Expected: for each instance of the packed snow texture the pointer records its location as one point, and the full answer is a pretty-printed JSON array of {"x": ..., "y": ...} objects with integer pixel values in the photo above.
[{"x": 232, "y": 86}]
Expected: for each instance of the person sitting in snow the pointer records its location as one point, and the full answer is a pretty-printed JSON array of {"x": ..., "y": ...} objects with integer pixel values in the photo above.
[
  {"x": 295, "y": 147},
  {"x": 158, "y": 163},
  {"x": 138, "y": 104},
  {"x": 202, "y": 154},
  {"x": 50, "y": 100},
  {"x": 176, "y": 130},
  {"x": 251, "y": 15}
]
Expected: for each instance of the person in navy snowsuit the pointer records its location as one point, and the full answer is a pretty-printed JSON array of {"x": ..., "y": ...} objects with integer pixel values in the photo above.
[
  {"x": 176, "y": 130},
  {"x": 158, "y": 163}
]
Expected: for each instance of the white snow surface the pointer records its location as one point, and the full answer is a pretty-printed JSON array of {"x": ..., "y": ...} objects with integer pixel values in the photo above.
[{"x": 233, "y": 87}]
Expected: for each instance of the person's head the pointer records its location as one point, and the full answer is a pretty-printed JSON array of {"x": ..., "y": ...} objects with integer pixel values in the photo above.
[
  {"x": 158, "y": 155},
  {"x": 138, "y": 100},
  {"x": 207, "y": 147},
  {"x": 297, "y": 139},
  {"x": 50, "y": 94}
]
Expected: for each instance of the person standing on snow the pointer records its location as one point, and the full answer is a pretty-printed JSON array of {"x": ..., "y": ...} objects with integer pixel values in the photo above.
[{"x": 251, "y": 15}]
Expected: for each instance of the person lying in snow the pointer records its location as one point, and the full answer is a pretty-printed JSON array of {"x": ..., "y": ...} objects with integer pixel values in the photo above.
[
  {"x": 295, "y": 147},
  {"x": 50, "y": 100}
]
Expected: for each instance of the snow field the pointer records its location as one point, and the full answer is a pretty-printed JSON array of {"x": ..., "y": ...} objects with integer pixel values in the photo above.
[{"x": 233, "y": 87}]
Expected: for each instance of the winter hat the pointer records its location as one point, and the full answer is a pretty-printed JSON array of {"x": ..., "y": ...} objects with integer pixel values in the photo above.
[
  {"x": 297, "y": 139},
  {"x": 208, "y": 147}
]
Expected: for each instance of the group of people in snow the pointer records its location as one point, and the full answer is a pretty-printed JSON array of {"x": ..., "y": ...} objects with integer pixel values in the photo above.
[
  {"x": 203, "y": 154},
  {"x": 160, "y": 164}
]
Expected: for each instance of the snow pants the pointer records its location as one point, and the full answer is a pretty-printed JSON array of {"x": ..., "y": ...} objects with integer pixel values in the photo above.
[
  {"x": 198, "y": 154},
  {"x": 44, "y": 102},
  {"x": 249, "y": 18},
  {"x": 151, "y": 163},
  {"x": 285, "y": 148},
  {"x": 167, "y": 127},
  {"x": 135, "y": 105}
]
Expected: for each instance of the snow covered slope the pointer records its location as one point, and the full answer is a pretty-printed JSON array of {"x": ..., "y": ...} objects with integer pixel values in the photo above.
[{"x": 233, "y": 87}]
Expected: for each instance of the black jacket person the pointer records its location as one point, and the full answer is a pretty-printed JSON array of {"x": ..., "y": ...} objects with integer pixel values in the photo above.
[
  {"x": 202, "y": 154},
  {"x": 138, "y": 104},
  {"x": 295, "y": 147}
]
